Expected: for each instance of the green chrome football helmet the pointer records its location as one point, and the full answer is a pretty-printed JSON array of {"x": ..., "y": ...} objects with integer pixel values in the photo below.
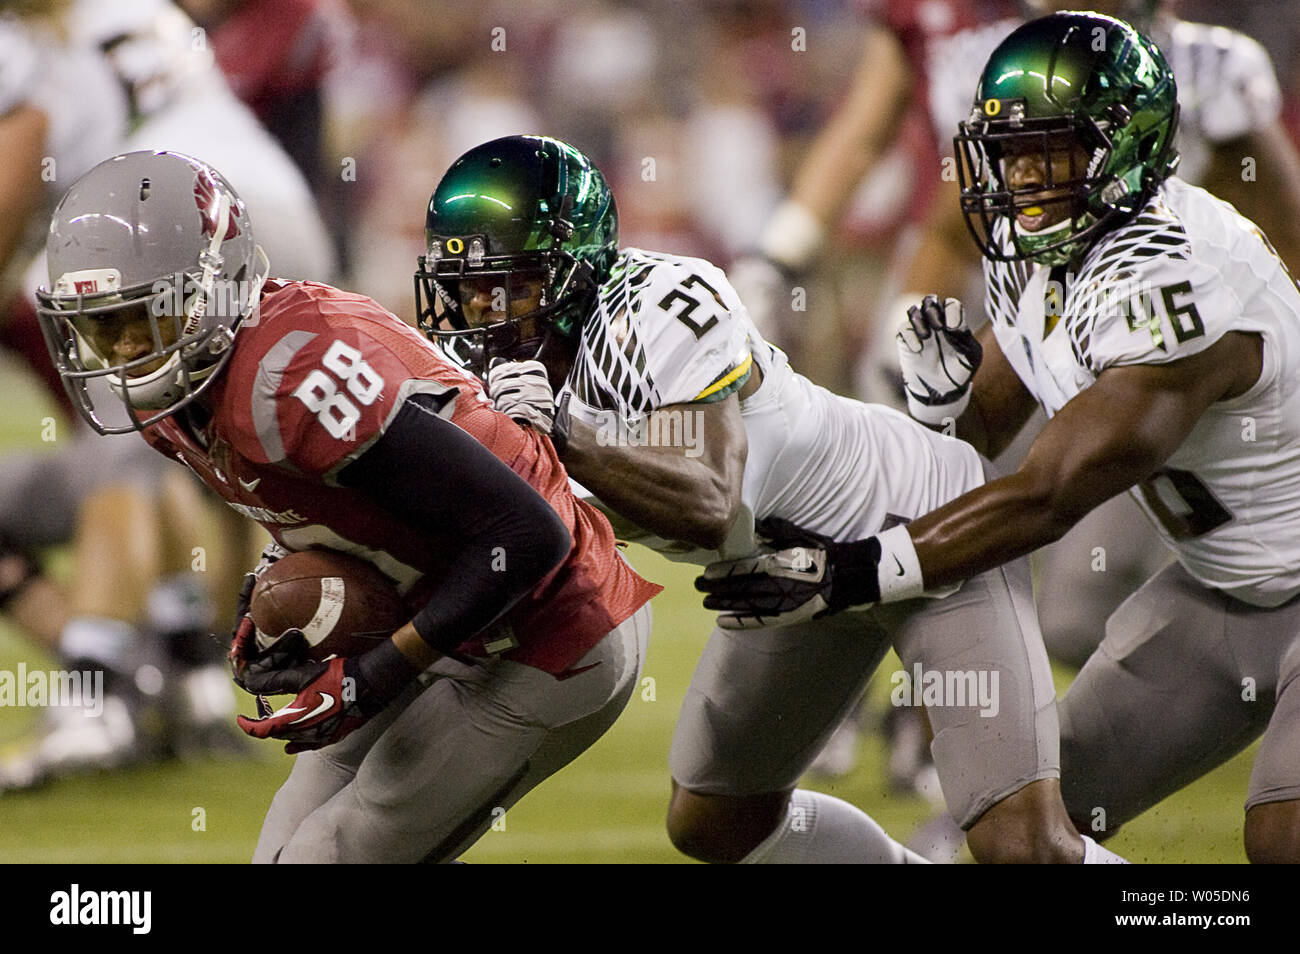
[
  {"x": 1067, "y": 80},
  {"x": 508, "y": 215}
]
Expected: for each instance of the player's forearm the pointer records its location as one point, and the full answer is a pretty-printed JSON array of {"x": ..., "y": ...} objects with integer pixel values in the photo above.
[
  {"x": 971, "y": 429},
  {"x": 660, "y": 489},
  {"x": 999, "y": 404},
  {"x": 490, "y": 573},
  {"x": 996, "y": 523},
  {"x": 414, "y": 649},
  {"x": 1113, "y": 435},
  {"x": 503, "y": 537}
]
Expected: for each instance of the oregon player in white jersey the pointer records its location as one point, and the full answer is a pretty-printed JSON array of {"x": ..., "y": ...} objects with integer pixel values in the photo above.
[
  {"x": 1185, "y": 272},
  {"x": 1159, "y": 330},
  {"x": 804, "y": 444},
  {"x": 1230, "y": 106},
  {"x": 683, "y": 421}
]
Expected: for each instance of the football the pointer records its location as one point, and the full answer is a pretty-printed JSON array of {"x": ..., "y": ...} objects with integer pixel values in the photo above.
[{"x": 342, "y": 604}]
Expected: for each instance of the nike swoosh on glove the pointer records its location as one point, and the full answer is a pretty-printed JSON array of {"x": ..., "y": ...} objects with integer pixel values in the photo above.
[
  {"x": 938, "y": 356},
  {"x": 521, "y": 390},
  {"x": 808, "y": 576},
  {"x": 333, "y": 699}
]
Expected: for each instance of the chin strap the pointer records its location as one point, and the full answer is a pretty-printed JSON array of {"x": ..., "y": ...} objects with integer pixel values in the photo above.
[{"x": 211, "y": 261}]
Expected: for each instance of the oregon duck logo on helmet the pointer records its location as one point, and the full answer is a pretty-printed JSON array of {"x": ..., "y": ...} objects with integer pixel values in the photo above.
[
  {"x": 1077, "y": 84},
  {"x": 518, "y": 219}
]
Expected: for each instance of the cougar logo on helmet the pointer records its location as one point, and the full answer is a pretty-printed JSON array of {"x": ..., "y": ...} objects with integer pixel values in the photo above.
[{"x": 206, "y": 198}]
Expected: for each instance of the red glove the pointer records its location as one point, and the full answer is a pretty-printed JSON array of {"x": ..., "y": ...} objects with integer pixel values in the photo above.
[
  {"x": 323, "y": 712},
  {"x": 333, "y": 698}
]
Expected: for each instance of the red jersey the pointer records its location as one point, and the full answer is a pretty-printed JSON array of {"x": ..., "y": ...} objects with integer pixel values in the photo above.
[{"x": 316, "y": 376}]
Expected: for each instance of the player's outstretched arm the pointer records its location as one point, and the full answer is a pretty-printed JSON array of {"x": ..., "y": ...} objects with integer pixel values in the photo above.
[
  {"x": 1112, "y": 435},
  {"x": 685, "y": 486}
]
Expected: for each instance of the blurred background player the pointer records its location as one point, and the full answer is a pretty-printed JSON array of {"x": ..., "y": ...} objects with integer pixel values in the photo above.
[{"x": 82, "y": 81}]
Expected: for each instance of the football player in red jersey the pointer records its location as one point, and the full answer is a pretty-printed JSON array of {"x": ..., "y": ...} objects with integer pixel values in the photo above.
[{"x": 333, "y": 424}]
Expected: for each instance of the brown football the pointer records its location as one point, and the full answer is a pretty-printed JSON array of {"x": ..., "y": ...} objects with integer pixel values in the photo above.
[{"x": 342, "y": 604}]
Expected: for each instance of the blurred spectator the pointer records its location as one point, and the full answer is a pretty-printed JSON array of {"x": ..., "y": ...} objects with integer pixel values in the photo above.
[
  {"x": 276, "y": 55},
  {"x": 694, "y": 112},
  {"x": 1275, "y": 24},
  {"x": 418, "y": 91}
]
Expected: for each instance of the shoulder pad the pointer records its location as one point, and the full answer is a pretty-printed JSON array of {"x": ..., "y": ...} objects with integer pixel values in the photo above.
[{"x": 1142, "y": 297}]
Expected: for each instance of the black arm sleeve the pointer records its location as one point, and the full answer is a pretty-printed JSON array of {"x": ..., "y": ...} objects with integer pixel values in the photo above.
[{"x": 504, "y": 534}]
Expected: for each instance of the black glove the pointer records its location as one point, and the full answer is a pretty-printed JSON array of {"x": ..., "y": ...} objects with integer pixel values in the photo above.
[{"x": 808, "y": 576}]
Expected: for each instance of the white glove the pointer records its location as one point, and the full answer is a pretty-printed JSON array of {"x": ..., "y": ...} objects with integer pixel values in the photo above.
[
  {"x": 521, "y": 390},
  {"x": 938, "y": 356}
]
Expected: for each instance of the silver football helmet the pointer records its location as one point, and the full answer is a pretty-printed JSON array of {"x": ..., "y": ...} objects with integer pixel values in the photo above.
[{"x": 152, "y": 268}]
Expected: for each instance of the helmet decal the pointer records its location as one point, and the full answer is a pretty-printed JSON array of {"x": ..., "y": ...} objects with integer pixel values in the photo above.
[
  {"x": 206, "y": 198},
  {"x": 89, "y": 281}
]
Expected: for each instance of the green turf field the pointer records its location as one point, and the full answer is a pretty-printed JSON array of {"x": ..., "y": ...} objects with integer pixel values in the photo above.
[{"x": 608, "y": 806}]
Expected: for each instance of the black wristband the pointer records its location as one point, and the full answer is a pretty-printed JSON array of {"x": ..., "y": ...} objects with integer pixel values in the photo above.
[
  {"x": 381, "y": 674},
  {"x": 856, "y": 568}
]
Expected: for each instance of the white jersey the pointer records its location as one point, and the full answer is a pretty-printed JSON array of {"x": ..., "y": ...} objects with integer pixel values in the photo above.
[
  {"x": 671, "y": 331},
  {"x": 138, "y": 74},
  {"x": 1187, "y": 270}
]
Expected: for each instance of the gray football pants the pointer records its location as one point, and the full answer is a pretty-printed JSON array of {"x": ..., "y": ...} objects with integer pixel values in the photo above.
[
  {"x": 425, "y": 778},
  {"x": 763, "y": 702},
  {"x": 1186, "y": 678}
]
